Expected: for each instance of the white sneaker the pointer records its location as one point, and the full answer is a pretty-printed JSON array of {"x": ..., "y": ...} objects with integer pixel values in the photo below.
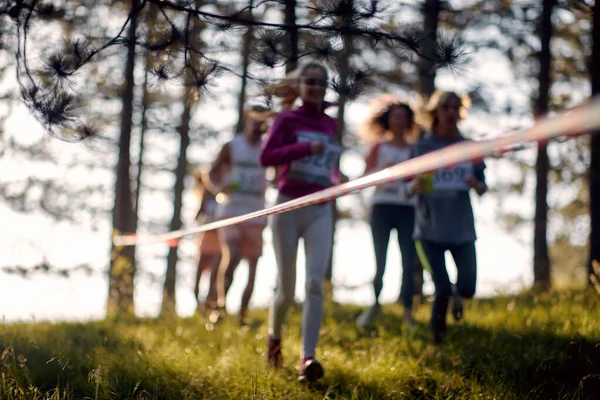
[{"x": 367, "y": 316}]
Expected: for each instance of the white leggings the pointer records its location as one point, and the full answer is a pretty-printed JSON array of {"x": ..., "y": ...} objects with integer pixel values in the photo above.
[{"x": 313, "y": 224}]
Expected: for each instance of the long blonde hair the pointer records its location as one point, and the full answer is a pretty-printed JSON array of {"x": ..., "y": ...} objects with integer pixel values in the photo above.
[
  {"x": 376, "y": 126},
  {"x": 287, "y": 88},
  {"x": 438, "y": 99}
]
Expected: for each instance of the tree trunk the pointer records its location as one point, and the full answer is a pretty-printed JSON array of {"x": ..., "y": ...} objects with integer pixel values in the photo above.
[
  {"x": 150, "y": 20},
  {"x": 541, "y": 259},
  {"x": 168, "y": 308},
  {"x": 120, "y": 302},
  {"x": 340, "y": 131},
  {"x": 140, "y": 163},
  {"x": 169, "y": 302},
  {"x": 594, "y": 172},
  {"x": 292, "y": 33},
  {"x": 246, "y": 47},
  {"x": 431, "y": 11},
  {"x": 343, "y": 71}
]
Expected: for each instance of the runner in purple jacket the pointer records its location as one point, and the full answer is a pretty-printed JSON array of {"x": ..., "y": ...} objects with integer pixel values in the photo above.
[{"x": 302, "y": 144}]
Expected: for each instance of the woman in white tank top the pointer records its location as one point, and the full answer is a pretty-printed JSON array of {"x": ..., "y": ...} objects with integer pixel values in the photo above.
[
  {"x": 240, "y": 190},
  {"x": 391, "y": 128}
]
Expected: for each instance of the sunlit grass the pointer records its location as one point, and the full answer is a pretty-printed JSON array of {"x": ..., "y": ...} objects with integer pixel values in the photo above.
[{"x": 528, "y": 346}]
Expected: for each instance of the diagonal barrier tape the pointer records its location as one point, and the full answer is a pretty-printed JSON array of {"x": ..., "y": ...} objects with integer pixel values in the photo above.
[{"x": 579, "y": 120}]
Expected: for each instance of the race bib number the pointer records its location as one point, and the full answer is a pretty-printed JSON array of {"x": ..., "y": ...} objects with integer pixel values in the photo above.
[
  {"x": 317, "y": 169},
  {"x": 395, "y": 188},
  {"x": 247, "y": 180},
  {"x": 390, "y": 155},
  {"x": 453, "y": 178}
]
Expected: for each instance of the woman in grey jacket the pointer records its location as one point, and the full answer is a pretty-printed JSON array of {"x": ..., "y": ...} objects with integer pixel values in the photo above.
[{"x": 443, "y": 215}]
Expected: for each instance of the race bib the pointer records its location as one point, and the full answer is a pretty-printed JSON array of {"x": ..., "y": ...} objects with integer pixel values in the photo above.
[
  {"x": 453, "y": 178},
  {"x": 390, "y": 155},
  {"x": 247, "y": 180},
  {"x": 317, "y": 169},
  {"x": 395, "y": 188}
]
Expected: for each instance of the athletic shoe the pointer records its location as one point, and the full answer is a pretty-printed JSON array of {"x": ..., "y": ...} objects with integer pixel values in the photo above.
[
  {"x": 409, "y": 320},
  {"x": 457, "y": 305},
  {"x": 310, "y": 371},
  {"x": 274, "y": 355},
  {"x": 242, "y": 317},
  {"x": 367, "y": 316},
  {"x": 439, "y": 329}
]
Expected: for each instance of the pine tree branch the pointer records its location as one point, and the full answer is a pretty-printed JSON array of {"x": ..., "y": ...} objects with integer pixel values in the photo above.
[
  {"x": 56, "y": 104},
  {"x": 332, "y": 29}
]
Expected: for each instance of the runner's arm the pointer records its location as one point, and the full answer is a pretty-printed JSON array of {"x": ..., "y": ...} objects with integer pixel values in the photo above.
[
  {"x": 479, "y": 185},
  {"x": 276, "y": 148},
  {"x": 214, "y": 177},
  {"x": 371, "y": 160}
]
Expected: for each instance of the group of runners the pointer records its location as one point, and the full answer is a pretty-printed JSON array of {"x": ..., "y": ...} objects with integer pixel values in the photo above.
[{"x": 431, "y": 213}]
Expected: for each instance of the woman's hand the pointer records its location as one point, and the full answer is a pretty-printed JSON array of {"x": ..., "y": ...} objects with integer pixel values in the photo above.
[
  {"x": 317, "y": 147},
  {"x": 475, "y": 184},
  {"x": 416, "y": 185},
  {"x": 343, "y": 178}
]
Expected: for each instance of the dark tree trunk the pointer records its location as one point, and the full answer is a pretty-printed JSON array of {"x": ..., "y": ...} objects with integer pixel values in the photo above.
[
  {"x": 343, "y": 71},
  {"x": 169, "y": 301},
  {"x": 120, "y": 302},
  {"x": 431, "y": 11},
  {"x": 541, "y": 259},
  {"x": 150, "y": 20},
  {"x": 168, "y": 308},
  {"x": 140, "y": 164},
  {"x": 246, "y": 47},
  {"x": 292, "y": 33}
]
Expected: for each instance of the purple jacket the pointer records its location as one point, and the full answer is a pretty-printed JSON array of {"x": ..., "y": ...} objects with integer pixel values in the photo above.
[{"x": 288, "y": 147}]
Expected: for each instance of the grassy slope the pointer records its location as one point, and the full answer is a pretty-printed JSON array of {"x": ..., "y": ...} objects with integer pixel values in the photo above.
[{"x": 545, "y": 347}]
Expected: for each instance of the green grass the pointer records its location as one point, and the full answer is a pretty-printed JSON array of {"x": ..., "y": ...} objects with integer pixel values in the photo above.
[{"x": 523, "y": 347}]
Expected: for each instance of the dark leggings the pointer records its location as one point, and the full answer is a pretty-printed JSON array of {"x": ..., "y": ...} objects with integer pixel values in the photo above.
[
  {"x": 466, "y": 265},
  {"x": 384, "y": 218}
]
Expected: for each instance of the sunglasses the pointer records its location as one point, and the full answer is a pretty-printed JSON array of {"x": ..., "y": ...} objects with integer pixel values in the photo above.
[{"x": 315, "y": 82}]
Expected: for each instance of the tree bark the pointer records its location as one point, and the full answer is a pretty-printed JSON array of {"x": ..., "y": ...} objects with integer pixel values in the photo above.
[
  {"x": 431, "y": 11},
  {"x": 343, "y": 71},
  {"x": 140, "y": 163},
  {"x": 426, "y": 87},
  {"x": 246, "y": 47},
  {"x": 541, "y": 259},
  {"x": 150, "y": 20},
  {"x": 169, "y": 301},
  {"x": 292, "y": 33},
  {"x": 120, "y": 303}
]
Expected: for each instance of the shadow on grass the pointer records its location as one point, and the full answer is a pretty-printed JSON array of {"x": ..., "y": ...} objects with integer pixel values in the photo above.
[
  {"x": 106, "y": 360},
  {"x": 338, "y": 384},
  {"x": 537, "y": 364},
  {"x": 92, "y": 360},
  {"x": 531, "y": 363}
]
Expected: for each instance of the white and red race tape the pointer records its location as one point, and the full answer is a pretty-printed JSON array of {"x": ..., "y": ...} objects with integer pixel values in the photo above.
[{"x": 574, "y": 122}]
